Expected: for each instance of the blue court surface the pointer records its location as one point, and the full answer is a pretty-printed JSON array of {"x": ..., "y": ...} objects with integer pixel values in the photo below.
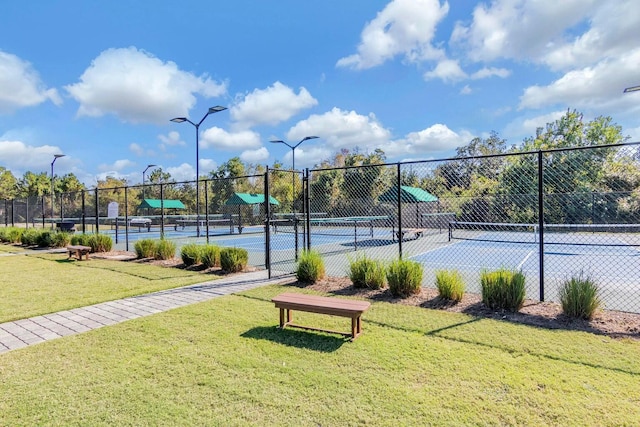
[{"x": 613, "y": 260}]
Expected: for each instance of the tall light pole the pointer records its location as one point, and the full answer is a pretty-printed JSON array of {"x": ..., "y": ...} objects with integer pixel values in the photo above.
[
  {"x": 293, "y": 147},
  {"x": 55, "y": 157},
  {"x": 631, "y": 89},
  {"x": 143, "y": 172},
  {"x": 212, "y": 110}
]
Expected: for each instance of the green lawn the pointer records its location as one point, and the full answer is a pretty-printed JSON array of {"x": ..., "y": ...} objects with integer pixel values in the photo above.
[
  {"x": 224, "y": 362},
  {"x": 41, "y": 283}
]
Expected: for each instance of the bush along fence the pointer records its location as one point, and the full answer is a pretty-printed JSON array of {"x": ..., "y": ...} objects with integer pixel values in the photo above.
[{"x": 548, "y": 214}]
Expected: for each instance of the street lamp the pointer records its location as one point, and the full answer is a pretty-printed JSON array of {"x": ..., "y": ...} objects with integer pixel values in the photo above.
[
  {"x": 143, "y": 172},
  {"x": 293, "y": 147},
  {"x": 212, "y": 110},
  {"x": 631, "y": 89},
  {"x": 55, "y": 157}
]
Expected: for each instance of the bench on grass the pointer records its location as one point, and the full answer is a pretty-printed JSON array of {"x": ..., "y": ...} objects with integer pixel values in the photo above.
[
  {"x": 323, "y": 305},
  {"x": 78, "y": 251}
]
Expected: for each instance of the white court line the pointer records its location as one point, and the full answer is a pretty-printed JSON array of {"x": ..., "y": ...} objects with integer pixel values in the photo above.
[{"x": 525, "y": 259}]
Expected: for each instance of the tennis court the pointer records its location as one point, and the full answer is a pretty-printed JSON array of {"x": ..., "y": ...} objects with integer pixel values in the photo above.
[{"x": 607, "y": 253}]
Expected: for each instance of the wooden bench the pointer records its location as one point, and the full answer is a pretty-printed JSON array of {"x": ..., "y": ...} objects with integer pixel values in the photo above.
[
  {"x": 78, "y": 251},
  {"x": 417, "y": 232},
  {"x": 323, "y": 305}
]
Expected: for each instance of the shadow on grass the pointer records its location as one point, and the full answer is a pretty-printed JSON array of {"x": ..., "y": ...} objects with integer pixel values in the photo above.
[{"x": 297, "y": 338}]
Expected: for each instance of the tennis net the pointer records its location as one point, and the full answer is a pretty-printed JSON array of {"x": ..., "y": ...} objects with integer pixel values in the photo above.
[
  {"x": 567, "y": 234},
  {"x": 354, "y": 226}
]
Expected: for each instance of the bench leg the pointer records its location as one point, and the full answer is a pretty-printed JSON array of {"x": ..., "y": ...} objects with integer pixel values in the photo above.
[{"x": 281, "y": 318}]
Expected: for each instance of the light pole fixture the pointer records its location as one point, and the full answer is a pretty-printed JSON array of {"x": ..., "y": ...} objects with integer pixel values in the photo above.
[
  {"x": 55, "y": 157},
  {"x": 212, "y": 110},
  {"x": 143, "y": 172},
  {"x": 632, "y": 89},
  {"x": 293, "y": 148}
]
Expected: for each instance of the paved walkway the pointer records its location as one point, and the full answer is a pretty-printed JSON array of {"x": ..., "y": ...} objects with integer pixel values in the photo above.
[{"x": 34, "y": 330}]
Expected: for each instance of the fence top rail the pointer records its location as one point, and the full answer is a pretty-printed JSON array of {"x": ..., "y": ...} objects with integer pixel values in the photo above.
[{"x": 484, "y": 156}]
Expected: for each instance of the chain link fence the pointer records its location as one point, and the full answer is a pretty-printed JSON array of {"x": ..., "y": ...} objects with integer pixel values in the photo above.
[{"x": 552, "y": 214}]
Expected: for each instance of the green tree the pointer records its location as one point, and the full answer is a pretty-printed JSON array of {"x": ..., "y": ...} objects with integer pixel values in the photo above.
[
  {"x": 33, "y": 184},
  {"x": 570, "y": 176},
  {"x": 8, "y": 184}
]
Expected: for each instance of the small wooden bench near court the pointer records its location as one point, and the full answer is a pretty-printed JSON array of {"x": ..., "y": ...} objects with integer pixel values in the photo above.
[
  {"x": 323, "y": 305},
  {"x": 78, "y": 251}
]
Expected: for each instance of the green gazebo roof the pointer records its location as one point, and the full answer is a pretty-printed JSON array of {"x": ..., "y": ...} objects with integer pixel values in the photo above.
[
  {"x": 156, "y": 204},
  {"x": 408, "y": 195},
  {"x": 249, "y": 199}
]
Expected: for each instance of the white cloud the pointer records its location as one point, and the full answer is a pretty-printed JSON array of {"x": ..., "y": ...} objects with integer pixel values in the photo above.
[
  {"x": 19, "y": 158},
  {"x": 490, "y": 72},
  {"x": 596, "y": 87},
  {"x": 310, "y": 156},
  {"x": 523, "y": 127},
  {"x": 255, "y": 156},
  {"x": 613, "y": 31},
  {"x": 271, "y": 106},
  {"x": 339, "y": 129},
  {"x": 137, "y": 87},
  {"x": 403, "y": 27},
  {"x": 20, "y": 85},
  {"x": 172, "y": 139},
  {"x": 434, "y": 139},
  {"x": 183, "y": 172},
  {"x": 118, "y": 165},
  {"x": 136, "y": 149},
  {"x": 466, "y": 90},
  {"x": 447, "y": 70},
  {"x": 218, "y": 138},
  {"x": 206, "y": 166},
  {"x": 520, "y": 29}
]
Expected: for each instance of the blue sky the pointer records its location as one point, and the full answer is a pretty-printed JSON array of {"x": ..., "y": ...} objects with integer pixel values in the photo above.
[{"x": 100, "y": 81}]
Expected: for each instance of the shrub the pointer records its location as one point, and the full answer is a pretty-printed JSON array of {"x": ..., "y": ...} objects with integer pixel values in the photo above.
[
  {"x": 165, "y": 249},
  {"x": 145, "y": 248},
  {"x": 503, "y": 289},
  {"x": 367, "y": 273},
  {"x": 60, "y": 239},
  {"x": 14, "y": 234},
  {"x": 233, "y": 260},
  {"x": 29, "y": 237},
  {"x": 579, "y": 297},
  {"x": 45, "y": 238},
  {"x": 191, "y": 254},
  {"x": 450, "y": 284},
  {"x": 211, "y": 256},
  {"x": 100, "y": 243},
  {"x": 310, "y": 267},
  {"x": 404, "y": 277},
  {"x": 80, "y": 239}
]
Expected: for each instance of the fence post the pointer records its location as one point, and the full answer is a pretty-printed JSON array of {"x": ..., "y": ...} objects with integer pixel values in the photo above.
[
  {"x": 206, "y": 208},
  {"x": 162, "y": 212},
  {"x": 126, "y": 219},
  {"x": 97, "y": 212},
  {"x": 42, "y": 203},
  {"x": 399, "y": 206},
  {"x": 267, "y": 224},
  {"x": 84, "y": 215},
  {"x": 307, "y": 201},
  {"x": 541, "y": 224}
]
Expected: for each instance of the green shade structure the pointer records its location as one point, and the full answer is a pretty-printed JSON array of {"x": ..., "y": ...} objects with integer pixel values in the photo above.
[
  {"x": 157, "y": 204},
  {"x": 249, "y": 199},
  {"x": 408, "y": 195}
]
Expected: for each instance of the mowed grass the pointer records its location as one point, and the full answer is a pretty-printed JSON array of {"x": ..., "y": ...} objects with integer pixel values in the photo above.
[
  {"x": 41, "y": 283},
  {"x": 225, "y": 362}
]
